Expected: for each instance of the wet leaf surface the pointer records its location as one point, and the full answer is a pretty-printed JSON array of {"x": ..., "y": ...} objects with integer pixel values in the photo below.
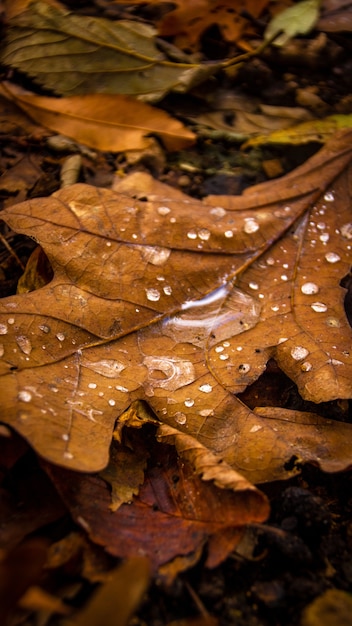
[{"x": 143, "y": 307}]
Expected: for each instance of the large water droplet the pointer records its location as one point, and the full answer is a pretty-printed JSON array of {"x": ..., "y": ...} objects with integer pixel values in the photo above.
[
  {"x": 24, "y": 344},
  {"x": 332, "y": 257},
  {"x": 309, "y": 289},
  {"x": 218, "y": 211},
  {"x": 319, "y": 307},
  {"x": 299, "y": 352},
  {"x": 206, "y": 388},
  {"x": 180, "y": 418},
  {"x": 329, "y": 196},
  {"x": 346, "y": 230},
  {"x": 250, "y": 225},
  {"x": 156, "y": 255},
  {"x": 204, "y": 234},
  {"x": 168, "y": 373},
  {"x": 163, "y": 210},
  {"x": 24, "y": 395},
  {"x": 152, "y": 294}
]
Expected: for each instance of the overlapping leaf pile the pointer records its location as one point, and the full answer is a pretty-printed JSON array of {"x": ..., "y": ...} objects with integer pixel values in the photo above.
[{"x": 143, "y": 306}]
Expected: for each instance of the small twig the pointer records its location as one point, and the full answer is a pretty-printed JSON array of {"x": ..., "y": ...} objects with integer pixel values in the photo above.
[{"x": 11, "y": 251}]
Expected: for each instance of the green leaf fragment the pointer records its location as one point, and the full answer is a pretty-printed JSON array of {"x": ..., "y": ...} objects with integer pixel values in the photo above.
[{"x": 298, "y": 19}]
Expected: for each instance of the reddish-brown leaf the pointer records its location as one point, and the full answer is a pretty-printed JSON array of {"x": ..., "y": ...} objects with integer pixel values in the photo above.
[{"x": 173, "y": 515}]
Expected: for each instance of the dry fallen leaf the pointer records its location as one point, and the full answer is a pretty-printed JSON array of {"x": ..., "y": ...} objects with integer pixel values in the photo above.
[
  {"x": 76, "y": 54},
  {"x": 142, "y": 307},
  {"x": 102, "y": 121},
  {"x": 189, "y": 20}
]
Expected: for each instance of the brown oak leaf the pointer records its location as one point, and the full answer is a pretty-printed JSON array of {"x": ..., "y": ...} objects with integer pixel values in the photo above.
[{"x": 143, "y": 306}]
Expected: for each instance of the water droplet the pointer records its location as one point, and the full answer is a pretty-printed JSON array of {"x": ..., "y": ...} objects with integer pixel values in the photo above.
[
  {"x": 60, "y": 336},
  {"x": 270, "y": 261},
  {"x": 180, "y": 418},
  {"x": 192, "y": 234},
  {"x": 324, "y": 237},
  {"x": 299, "y": 352},
  {"x": 24, "y": 344},
  {"x": 163, "y": 210},
  {"x": 253, "y": 285},
  {"x": 106, "y": 367},
  {"x": 167, "y": 290},
  {"x": 332, "y": 257},
  {"x": 112, "y": 402},
  {"x": 156, "y": 255},
  {"x": 65, "y": 437},
  {"x": 329, "y": 196},
  {"x": 152, "y": 294},
  {"x": 206, "y": 412},
  {"x": 92, "y": 385},
  {"x": 223, "y": 357},
  {"x": 275, "y": 308},
  {"x": 255, "y": 428},
  {"x": 283, "y": 339},
  {"x": 250, "y": 225},
  {"x": 321, "y": 225},
  {"x": 44, "y": 328},
  {"x": 219, "y": 349},
  {"x": 244, "y": 368},
  {"x": 11, "y": 320},
  {"x": 346, "y": 230},
  {"x": 24, "y": 396},
  {"x": 218, "y": 211},
  {"x": 228, "y": 234},
  {"x": 168, "y": 373},
  {"x": 306, "y": 366},
  {"x": 189, "y": 402},
  {"x": 121, "y": 388},
  {"x": 239, "y": 348},
  {"x": 226, "y": 344},
  {"x": 319, "y": 307},
  {"x": 333, "y": 322},
  {"x": 3, "y": 329},
  {"x": 206, "y": 388},
  {"x": 204, "y": 234},
  {"x": 336, "y": 362},
  {"x": 284, "y": 277},
  {"x": 68, "y": 455},
  {"x": 309, "y": 289}
]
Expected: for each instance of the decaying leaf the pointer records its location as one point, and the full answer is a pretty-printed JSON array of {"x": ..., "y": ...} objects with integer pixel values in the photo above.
[
  {"x": 317, "y": 130},
  {"x": 102, "y": 121},
  {"x": 143, "y": 307},
  {"x": 173, "y": 516},
  {"x": 189, "y": 20},
  {"x": 74, "y": 54}
]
